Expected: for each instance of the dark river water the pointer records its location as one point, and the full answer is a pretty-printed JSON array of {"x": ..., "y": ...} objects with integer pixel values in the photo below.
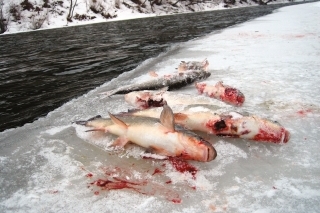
[{"x": 41, "y": 70}]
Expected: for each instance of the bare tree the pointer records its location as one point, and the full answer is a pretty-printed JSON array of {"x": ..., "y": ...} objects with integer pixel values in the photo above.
[
  {"x": 3, "y": 21},
  {"x": 38, "y": 20},
  {"x": 72, "y": 6}
]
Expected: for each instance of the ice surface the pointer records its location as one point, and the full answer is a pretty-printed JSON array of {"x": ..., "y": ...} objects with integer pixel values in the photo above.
[{"x": 52, "y": 165}]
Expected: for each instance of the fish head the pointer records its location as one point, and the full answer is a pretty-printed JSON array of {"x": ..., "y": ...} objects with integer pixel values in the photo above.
[
  {"x": 196, "y": 148},
  {"x": 234, "y": 96},
  {"x": 271, "y": 131},
  {"x": 97, "y": 122}
]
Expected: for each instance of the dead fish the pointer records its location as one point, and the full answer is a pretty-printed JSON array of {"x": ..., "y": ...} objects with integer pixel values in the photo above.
[
  {"x": 235, "y": 125},
  {"x": 174, "y": 81},
  {"x": 160, "y": 137},
  {"x": 193, "y": 65},
  {"x": 157, "y": 98},
  {"x": 222, "y": 92},
  {"x": 231, "y": 124}
]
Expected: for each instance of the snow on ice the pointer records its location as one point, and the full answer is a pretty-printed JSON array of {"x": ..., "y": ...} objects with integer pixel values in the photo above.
[{"x": 54, "y": 165}]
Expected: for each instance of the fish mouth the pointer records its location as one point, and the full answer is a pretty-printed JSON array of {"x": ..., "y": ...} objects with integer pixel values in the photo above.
[
  {"x": 212, "y": 153},
  {"x": 83, "y": 123},
  {"x": 286, "y": 136}
]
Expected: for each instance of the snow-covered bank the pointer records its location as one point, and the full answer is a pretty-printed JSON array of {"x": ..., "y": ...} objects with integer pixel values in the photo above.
[
  {"x": 50, "y": 165},
  {"x": 27, "y": 15}
]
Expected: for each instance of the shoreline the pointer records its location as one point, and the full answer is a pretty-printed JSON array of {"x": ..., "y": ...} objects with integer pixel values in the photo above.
[{"x": 123, "y": 16}]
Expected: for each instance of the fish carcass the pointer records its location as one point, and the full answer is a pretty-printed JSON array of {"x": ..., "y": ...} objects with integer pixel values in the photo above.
[
  {"x": 231, "y": 124},
  {"x": 172, "y": 81},
  {"x": 234, "y": 124},
  {"x": 193, "y": 65},
  {"x": 160, "y": 137},
  {"x": 222, "y": 92},
  {"x": 156, "y": 98}
]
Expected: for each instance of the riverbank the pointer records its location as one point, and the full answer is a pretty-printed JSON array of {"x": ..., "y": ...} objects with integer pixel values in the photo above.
[{"x": 29, "y": 15}]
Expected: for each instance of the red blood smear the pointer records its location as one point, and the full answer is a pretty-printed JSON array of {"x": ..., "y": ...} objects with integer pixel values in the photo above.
[
  {"x": 176, "y": 200},
  {"x": 155, "y": 103},
  {"x": 168, "y": 182},
  {"x": 216, "y": 126},
  {"x": 116, "y": 184},
  {"x": 304, "y": 112},
  {"x": 245, "y": 132},
  {"x": 200, "y": 87},
  {"x": 146, "y": 104},
  {"x": 157, "y": 171},
  {"x": 275, "y": 137},
  {"x": 233, "y": 96},
  {"x": 183, "y": 166},
  {"x": 89, "y": 175},
  {"x": 116, "y": 178}
]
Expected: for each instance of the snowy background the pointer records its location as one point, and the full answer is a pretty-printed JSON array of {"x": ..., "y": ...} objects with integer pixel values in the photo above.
[
  {"x": 27, "y": 15},
  {"x": 49, "y": 165}
]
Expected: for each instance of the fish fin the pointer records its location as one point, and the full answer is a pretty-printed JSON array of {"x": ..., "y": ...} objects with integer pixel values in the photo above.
[
  {"x": 157, "y": 151},
  {"x": 117, "y": 121},
  {"x": 120, "y": 142},
  {"x": 94, "y": 130},
  {"x": 204, "y": 61},
  {"x": 167, "y": 118},
  {"x": 84, "y": 123},
  {"x": 205, "y": 65}
]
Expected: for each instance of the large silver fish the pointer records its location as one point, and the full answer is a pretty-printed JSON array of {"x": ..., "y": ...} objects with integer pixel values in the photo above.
[
  {"x": 231, "y": 124},
  {"x": 161, "y": 137},
  {"x": 173, "y": 82}
]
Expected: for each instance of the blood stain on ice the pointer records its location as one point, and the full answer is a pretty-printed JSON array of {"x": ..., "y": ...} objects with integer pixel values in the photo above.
[
  {"x": 304, "y": 112},
  {"x": 183, "y": 166},
  {"x": 89, "y": 175},
  {"x": 157, "y": 171},
  {"x": 117, "y": 178}
]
